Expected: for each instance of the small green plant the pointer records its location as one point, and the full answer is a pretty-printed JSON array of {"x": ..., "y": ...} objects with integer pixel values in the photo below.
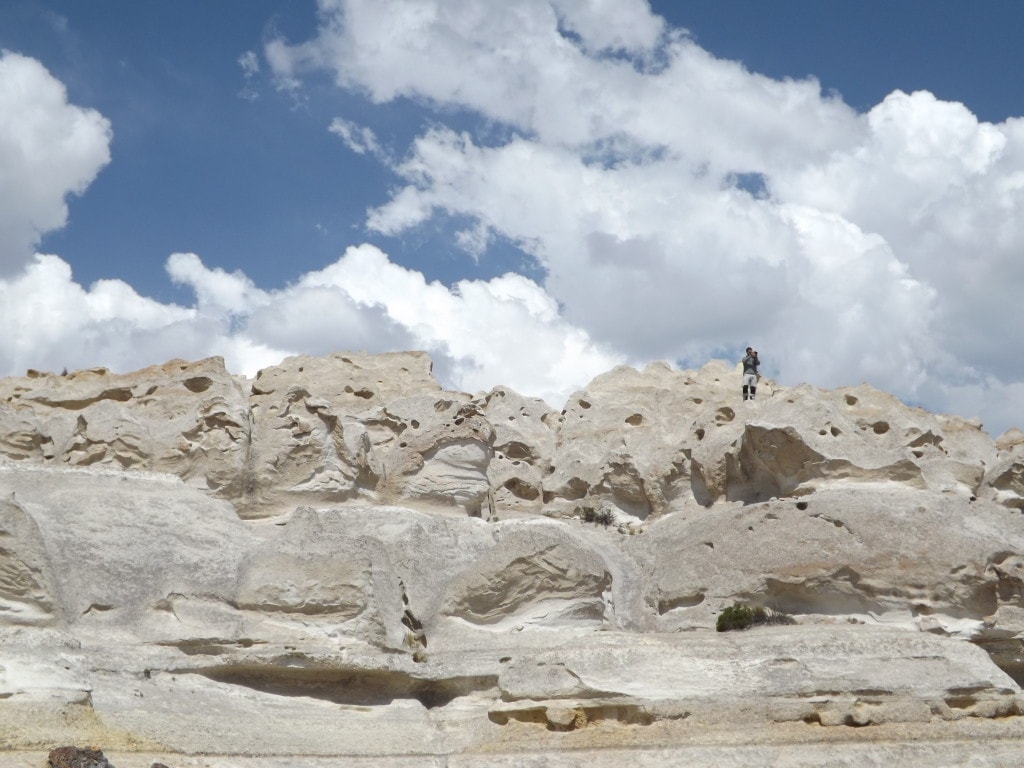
[
  {"x": 740, "y": 616},
  {"x": 602, "y": 516},
  {"x": 736, "y": 616}
]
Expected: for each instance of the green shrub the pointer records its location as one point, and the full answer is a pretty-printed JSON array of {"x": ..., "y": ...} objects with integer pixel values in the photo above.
[{"x": 736, "y": 616}]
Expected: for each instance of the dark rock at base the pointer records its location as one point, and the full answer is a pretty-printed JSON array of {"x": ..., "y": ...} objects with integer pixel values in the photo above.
[{"x": 75, "y": 757}]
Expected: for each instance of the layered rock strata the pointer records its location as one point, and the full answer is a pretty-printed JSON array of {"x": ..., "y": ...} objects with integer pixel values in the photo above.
[{"x": 340, "y": 560}]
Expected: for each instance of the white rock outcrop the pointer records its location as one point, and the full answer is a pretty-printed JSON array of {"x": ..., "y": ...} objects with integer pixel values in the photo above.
[{"x": 340, "y": 562}]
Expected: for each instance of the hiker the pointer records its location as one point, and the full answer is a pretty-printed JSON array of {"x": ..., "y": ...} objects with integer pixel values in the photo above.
[{"x": 750, "y": 374}]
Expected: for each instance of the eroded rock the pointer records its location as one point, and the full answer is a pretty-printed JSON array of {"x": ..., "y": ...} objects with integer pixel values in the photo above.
[
  {"x": 77, "y": 757},
  {"x": 340, "y": 558}
]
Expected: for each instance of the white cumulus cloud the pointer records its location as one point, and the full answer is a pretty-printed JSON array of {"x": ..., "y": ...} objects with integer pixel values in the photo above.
[
  {"x": 48, "y": 150},
  {"x": 676, "y": 205},
  {"x": 881, "y": 246}
]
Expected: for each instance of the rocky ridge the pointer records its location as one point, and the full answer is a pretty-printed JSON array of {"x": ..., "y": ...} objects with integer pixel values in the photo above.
[{"x": 340, "y": 559}]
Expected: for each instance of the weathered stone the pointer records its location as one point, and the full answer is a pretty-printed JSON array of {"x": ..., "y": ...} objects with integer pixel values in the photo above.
[
  {"x": 525, "y": 430},
  {"x": 77, "y": 757},
  {"x": 339, "y": 560},
  {"x": 189, "y": 419}
]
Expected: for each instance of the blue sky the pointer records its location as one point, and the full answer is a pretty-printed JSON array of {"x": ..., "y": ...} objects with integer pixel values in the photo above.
[{"x": 590, "y": 183}]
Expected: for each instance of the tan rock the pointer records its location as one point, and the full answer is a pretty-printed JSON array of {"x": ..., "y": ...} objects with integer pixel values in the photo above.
[
  {"x": 342, "y": 561},
  {"x": 189, "y": 419}
]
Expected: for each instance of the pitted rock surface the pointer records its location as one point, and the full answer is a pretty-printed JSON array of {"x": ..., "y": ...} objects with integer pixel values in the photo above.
[{"x": 341, "y": 561}]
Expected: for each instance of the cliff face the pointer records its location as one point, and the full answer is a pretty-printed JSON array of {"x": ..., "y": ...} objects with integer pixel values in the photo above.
[
  {"x": 339, "y": 558},
  {"x": 379, "y": 429}
]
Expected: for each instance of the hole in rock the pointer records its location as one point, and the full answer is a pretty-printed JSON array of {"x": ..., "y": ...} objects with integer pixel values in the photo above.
[
  {"x": 682, "y": 601},
  {"x": 118, "y": 394},
  {"x": 348, "y": 686},
  {"x": 801, "y": 505},
  {"x": 209, "y": 647},
  {"x": 880, "y": 427},
  {"x": 961, "y": 702},
  {"x": 635, "y": 420},
  {"x": 836, "y": 431},
  {"x": 575, "y": 489},
  {"x": 198, "y": 383},
  {"x": 521, "y": 489},
  {"x": 837, "y": 594},
  {"x": 700, "y": 434},
  {"x": 411, "y": 622},
  {"x": 584, "y": 404},
  {"x": 517, "y": 450},
  {"x": 851, "y": 400},
  {"x": 1008, "y": 655}
]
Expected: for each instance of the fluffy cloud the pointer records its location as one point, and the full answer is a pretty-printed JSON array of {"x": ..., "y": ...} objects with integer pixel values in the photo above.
[
  {"x": 48, "y": 149},
  {"x": 682, "y": 206},
  {"x": 51, "y": 322},
  {"x": 506, "y": 330},
  {"x": 947, "y": 193},
  {"x": 677, "y": 205},
  {"x": 479, "y": 334},
  {"x": 532, "y": 65}
]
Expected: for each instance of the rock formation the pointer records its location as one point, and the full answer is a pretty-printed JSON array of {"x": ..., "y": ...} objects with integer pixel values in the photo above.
[{"x": 340, "y": 561}]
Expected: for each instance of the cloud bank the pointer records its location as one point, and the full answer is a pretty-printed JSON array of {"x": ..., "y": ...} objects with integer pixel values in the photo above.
[{"x": 677, "y": 205}]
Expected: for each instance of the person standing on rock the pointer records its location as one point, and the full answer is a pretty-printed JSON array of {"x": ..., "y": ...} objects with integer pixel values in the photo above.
[{"x": 750, "y": 374}]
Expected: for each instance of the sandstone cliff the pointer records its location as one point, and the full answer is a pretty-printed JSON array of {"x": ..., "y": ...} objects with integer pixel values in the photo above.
[{"x": 341, "y": 559}]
